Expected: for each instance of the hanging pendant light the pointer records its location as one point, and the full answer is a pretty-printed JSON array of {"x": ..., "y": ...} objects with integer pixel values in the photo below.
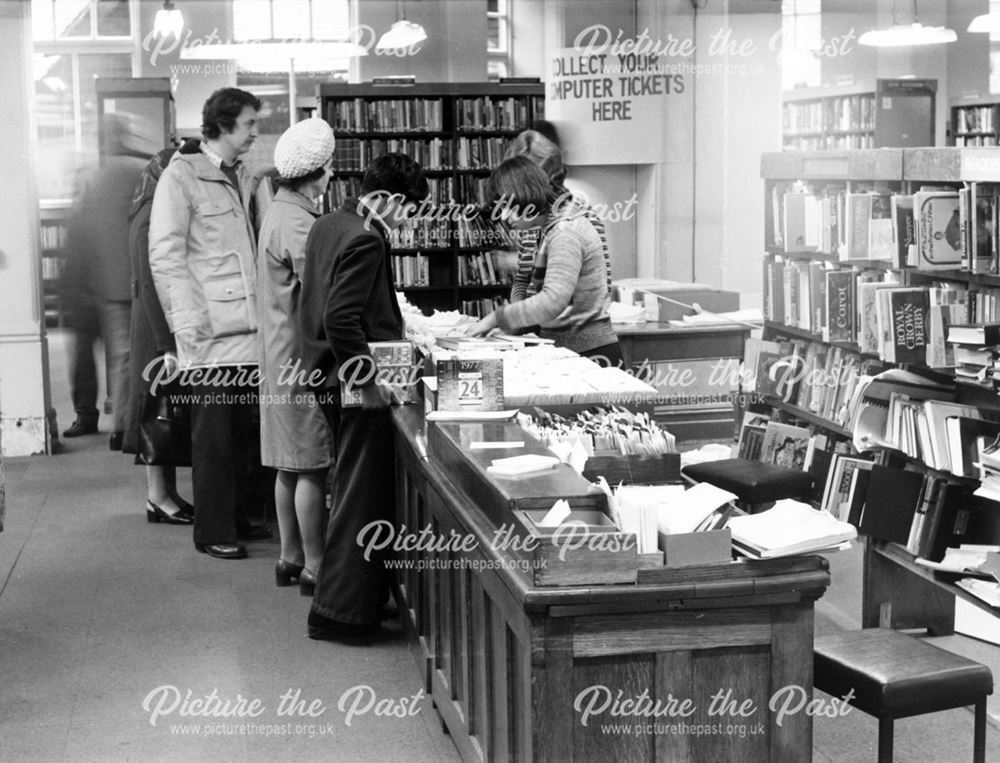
[
  {"x": 987, "y": 23},
  {"x": 402, "y": 34},
  {"x": 169, "y": 20},
  {"x": 907, "y": 35}
]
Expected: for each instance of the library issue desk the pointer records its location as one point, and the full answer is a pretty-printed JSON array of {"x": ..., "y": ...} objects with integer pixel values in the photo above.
[
  {"x": 695, "y": 370},
  {"x": 581, "y": 650}
]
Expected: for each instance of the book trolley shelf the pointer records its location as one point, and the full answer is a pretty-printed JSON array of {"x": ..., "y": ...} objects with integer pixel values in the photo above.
[
  {"x": 458, "y": 132},
  {"x": 897, "y": 592}
]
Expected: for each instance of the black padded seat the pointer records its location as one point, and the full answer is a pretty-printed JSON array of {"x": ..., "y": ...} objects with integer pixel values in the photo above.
[{"x": 894, "y": 675}]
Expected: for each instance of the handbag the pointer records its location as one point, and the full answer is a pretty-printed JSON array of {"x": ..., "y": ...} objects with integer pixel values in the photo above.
[{"x": 164, "y": 429}]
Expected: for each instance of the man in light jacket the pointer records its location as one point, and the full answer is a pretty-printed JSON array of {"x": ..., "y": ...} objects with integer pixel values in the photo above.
[{"x": 202, "y": 254}]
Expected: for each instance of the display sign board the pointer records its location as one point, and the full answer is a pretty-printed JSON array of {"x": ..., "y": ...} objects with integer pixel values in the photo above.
[{"x": 610, "y": 107}]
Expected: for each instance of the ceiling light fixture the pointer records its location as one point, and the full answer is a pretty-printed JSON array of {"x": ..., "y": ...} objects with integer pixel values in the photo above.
[
  {"x": 402, "y": 34},
  {"x": 907, "y": 35},
  {"x": 169, "y": 20},
  {"x": 987, "y": 23}
]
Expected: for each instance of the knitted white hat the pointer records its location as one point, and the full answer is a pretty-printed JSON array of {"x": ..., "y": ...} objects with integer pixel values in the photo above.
[{"x": 303, "y": 147}]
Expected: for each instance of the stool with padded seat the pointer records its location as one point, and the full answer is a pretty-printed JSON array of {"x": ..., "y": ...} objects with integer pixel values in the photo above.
[
  {"x": 894, "y": 675},
  {"x": 754, "y": 483}
]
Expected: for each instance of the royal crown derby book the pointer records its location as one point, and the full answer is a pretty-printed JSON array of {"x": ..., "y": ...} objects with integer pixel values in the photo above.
[
  {"x": 939, "y": 230},
  {"x": 838, "y": 325},
  {"x": 902, "y": 320},
  {"x": 788, "y": 528},
  {"x": 980, "y": 334}
]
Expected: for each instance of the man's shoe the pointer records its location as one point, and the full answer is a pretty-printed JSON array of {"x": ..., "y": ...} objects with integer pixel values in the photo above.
[
  {"x": 81, "y": 427},
  {"x": 117, "y": 438},
  {"x": 246, "y": 530},
  {"x": 223, "y": 550},
  {"x": 324, "y": 629}
]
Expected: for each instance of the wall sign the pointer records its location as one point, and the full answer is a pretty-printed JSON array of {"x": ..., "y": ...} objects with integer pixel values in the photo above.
[{"x": 610, "y": 107}]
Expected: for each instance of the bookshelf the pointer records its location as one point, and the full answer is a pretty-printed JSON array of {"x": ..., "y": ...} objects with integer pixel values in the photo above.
[
  {"x": 974, "y": 125},
  {"x": 896, "y": 112},
  {"x": 457, "y": 132},
  {"x": 897, "y": 592},
  {"x": 54, "y": 219}
]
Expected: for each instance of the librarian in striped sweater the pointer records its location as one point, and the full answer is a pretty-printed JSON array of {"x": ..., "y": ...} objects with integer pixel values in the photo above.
[{"x": 569, "y": 275}]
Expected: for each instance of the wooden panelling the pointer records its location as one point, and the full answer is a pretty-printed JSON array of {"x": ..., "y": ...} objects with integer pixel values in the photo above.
[
  {"x": 791, "y": 666},
  {"x": 682, "y": 630},
  {"x": 606, "y": 737},
  {"x": 731, "y": 679}
]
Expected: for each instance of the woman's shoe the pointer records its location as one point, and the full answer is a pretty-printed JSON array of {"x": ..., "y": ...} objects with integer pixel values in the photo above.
[
  {"x": 307, "y": 582},
  {"x": 155, "y": 515},
  {"x": 186, "y": 509},
  {"x": 285, "y": 572}
]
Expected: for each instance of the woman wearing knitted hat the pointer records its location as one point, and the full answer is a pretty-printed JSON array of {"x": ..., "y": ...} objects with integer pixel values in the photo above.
[{"x": 294, "y": 436}]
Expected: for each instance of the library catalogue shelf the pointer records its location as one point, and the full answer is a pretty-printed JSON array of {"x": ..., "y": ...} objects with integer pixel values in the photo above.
[
  {"x": 455, "y": 258},
  {"x": 847, "y": 243}
]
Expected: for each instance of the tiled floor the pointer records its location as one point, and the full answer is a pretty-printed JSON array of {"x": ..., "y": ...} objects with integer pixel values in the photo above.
[{"x": 103, "y": 616}]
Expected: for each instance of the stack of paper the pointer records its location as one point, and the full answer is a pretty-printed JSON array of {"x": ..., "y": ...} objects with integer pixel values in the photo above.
[
  {"x": 790, "y": 527},
  {"x": 518, "y": 465},
  {"x": 987, "y": 590},
  {"x": 685, "y": 510},
  {"x": 638, "y": 511}
]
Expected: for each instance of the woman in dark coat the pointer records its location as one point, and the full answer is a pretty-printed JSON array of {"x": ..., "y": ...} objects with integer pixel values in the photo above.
[{"x": 150, "y": 340}]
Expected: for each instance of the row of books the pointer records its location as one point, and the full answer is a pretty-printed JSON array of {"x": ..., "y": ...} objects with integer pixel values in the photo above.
[
  {"x": 932, "y": 229},
  {"x": 386, "y": 115},
  {"x": 812, "y": 376},
  {"x": 870, "y": 308},
  {"x": 355, "y": 154},
  {"x": 844, "y": 142},
  {"x": 483, "y": 269},
  {"x": 924, "y": 511},
  {"x": 411, "y": 270},
  {"x": 52, "y": 268},
  {"x": 850, "y": 112},
  {"x": 975, "y": 141},
  {"x": 486, "y": 113},
  {"x": 463, "y": 153},
  {"x": 423, "y": 234},
  {"x": 53, "y": 236},
  {"x": 480, "y": 308},
  {"x": 975, "y": 119}
]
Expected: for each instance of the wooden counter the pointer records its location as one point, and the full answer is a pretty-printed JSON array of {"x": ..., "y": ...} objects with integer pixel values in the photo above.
[
  {"x": 694, "y": 370},
  {"x": 505, "y": 661}
]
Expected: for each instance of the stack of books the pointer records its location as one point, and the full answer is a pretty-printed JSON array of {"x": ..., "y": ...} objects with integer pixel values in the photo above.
[{"x": 976, "y": 348}]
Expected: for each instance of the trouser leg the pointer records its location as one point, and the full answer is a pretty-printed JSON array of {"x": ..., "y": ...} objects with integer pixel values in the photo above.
[{"x": 352, "y": 589}]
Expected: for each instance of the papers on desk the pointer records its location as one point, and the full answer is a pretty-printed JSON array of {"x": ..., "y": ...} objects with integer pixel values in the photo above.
[
  {"x": 750, "y": 315},
  {"x": 789, "y": 528},
  {"x": 619, "y": 312},
  {"x": 517, "y": 466},
  {"x": 967, "y": 559},
  {"x": 685, "y": 510},
  {"x": 987, "y": 590},
  {"x": 470, "y": 415}
]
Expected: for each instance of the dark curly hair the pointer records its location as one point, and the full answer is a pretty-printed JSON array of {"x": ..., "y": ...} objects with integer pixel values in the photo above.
[
  {"x": 223, "y": 108},
  {"x": 396, "y": 174}
]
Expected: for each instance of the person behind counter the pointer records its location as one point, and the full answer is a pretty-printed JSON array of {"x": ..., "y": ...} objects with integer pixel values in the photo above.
[{"x": 570, "y": 303}]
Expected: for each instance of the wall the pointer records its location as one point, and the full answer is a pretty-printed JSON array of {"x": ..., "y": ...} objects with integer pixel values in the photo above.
[
  {"x": 24, "y": 389},
  {"x": 455, "y": 49}
]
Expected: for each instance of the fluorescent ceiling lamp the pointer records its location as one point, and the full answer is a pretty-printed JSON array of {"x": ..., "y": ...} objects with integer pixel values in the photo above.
[
  {"x": 231, "y": 50},
  {"x": 402, "y": 34},
  {"x": 168, "y": 20},
  {"x": 906, "y": 35},
  {"x": 988, "y": 23}
]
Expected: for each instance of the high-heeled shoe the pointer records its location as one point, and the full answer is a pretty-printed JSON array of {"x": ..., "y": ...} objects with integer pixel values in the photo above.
[
  {"x": 155, "y": 515},
  {"x": 285, "y": 572},
  {"x": 186, "y": 509},
  {"x": 307, "y": 582}
]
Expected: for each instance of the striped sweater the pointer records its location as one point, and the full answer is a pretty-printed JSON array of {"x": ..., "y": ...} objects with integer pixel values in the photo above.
[{"x": 569, "y": 282}]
